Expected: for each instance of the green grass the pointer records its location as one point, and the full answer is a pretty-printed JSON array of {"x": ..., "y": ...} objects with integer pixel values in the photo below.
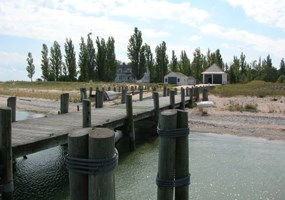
[{"x": 254, "y": 88}]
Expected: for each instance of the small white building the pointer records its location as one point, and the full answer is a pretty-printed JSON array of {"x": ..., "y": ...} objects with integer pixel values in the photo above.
[
  {"x": 214, "y": 75},
  {"x": 178, "y": 78}
]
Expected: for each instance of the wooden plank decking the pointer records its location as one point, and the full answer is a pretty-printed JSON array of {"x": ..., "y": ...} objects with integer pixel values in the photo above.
[{"x": 34, "y": 135}]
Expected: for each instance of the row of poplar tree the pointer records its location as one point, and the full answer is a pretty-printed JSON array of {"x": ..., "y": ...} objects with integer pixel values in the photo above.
[{"x": 100, "y": 64}]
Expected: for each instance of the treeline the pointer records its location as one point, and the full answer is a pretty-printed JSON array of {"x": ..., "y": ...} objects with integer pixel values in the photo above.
[{"x": 100, "y": 63}]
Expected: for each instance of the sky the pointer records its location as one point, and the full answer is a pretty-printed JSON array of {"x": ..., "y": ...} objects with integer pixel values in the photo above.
[{"x": 254, "y": 27}]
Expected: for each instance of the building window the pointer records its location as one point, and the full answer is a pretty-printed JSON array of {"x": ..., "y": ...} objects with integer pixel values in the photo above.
[
  {"x": 178, "y": 80},
  {"x": 165, "y": 80}
]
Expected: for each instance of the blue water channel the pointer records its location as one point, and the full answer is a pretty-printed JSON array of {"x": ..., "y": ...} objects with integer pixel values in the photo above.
[{"x": 222, "y": 167}]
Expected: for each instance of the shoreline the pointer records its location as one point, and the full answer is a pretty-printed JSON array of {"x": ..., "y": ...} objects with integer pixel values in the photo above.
[{"x": 268, "y": 122}]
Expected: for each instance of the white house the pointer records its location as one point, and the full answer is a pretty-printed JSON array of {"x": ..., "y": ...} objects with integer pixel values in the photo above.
[
  {"x": 214, "y": 75},
  {"x": 178, "y": 78}
]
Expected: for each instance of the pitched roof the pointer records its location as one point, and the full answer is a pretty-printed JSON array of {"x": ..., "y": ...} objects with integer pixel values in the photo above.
[{"x": 214, "y": 68}]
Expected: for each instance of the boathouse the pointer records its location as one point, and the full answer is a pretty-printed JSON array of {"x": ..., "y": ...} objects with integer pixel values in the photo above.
[
  {"x": 124, "y": 74},
  {"x": 214, "y": 75},
  {"x": 177, "y": 78}
]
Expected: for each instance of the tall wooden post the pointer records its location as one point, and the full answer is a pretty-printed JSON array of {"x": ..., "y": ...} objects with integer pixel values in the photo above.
[
  {"x": 153, "y": 91},
  {"x": 205, "y": 94},
  {"x": 83, "y": 94},
  {"x": 78, "y": 148},
  {"x": 182, "y": 157},
  {"x": 130, "y": 122},
  {"x": 172, "y": 99},
  {"x": 11, "y": 103},
  {"x": 191, "y": 97},
  {"x": 64, "y": 103},
  {"x": 86, "y": 113},
  {"x": 141, "y": 93},
  {"x": 123, "y": 96},
  {"x": 101, "y": 186},
  {"x": 164, "y": 91},
  {"x": 187, "y": 91},
  {"x": 99, "y": 99},
  {"x": 90, "y": 92},
  {"x": 156, "y": 107},
  {"x": 6, "y": 153},
  {"x": 167, "y": 146},
  {"x": 175, "y": 91},
  {"x": 182, "y": 106}
]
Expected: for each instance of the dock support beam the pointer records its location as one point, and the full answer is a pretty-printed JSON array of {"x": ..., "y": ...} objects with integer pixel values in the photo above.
[
  {"x": 156, "y": 107},
  {"x": 172, "y": 99},
  {"x": 182, "y": 106},
  {"x": 6, "y": 153},
  {"x": 11, "y": 103},
  {"x": 64, "y": 103},
  {"x": 86, "y": 113},
  {"x": 130, "y": 122},
  {"x": 205, "y": 94},
  {"x": 83, "y": 94}
]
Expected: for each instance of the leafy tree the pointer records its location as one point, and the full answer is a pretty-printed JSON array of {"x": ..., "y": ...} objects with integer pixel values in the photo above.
[
  {"x": 161, "y": 62},
  {"x": 197, "y": 64},
  {"x": 70, "y": 61},
  {"x": 184, "y": 64},
  {"x": 270, "y": 72},
  {"x": 91, "y": 58},
  {"x": 101, "y": 59},
  {"x": 30, "y": 67},
  {"x": 111, "y": 62},
  {"x": 282, "y": 67},
  {"x": 149, "y": 62},
  {"x": 83, "y": 61},
  {"x": 45, "y": 63},
  {"x": 174, "y": 62},
  {"x": 218, "y": 59},
  {"x": 55, "y": 62},
  {"x": 135, "y": 50}
]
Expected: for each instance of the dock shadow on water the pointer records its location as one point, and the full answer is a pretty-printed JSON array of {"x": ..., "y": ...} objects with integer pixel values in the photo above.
[{"x": 222, "y": 167}]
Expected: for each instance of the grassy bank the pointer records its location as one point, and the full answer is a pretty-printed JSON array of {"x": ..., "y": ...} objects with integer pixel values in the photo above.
[{"x": 254, "y": 88}]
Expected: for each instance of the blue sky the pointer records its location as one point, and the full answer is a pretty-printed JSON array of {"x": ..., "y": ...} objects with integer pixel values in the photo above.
[{"x": 254, "y": 27}]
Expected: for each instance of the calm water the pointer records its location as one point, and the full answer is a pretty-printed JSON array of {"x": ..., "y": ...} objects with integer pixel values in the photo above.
[{"x": 222, "y": 167}]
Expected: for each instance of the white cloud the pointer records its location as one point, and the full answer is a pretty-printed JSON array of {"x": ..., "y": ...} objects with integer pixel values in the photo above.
[
  {"x": 263, "y": 11},
  {"x": 195, "y": 38}
]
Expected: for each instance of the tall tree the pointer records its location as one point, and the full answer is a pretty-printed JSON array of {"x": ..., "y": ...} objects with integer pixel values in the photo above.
[
  {"x": 184, "y": 64},
  {"x": 282, "y": 67},
  {"x": 111, "y": 62},
  {"x": 270, "y": 72},
  {"x": 219, "y": 59},
  {"x": 70, "y": 60},
  {"x": 243, "y": 68},
  {"x": 197, "y": 64},
  {"x": 161, "y": 62},
  {"x": 149, "y": 61},
  {"x": 55, "y": 61},
  {"x": 45, "y": 63},
  {"x": 101, "y": 59},
  {"x": 30, "y": 67},
  {"x": 135, "y": 50},
  {"x": 91, "y": 58},
  {"x": 174, "y": 62},
  {"x": 83, "y": 61}
]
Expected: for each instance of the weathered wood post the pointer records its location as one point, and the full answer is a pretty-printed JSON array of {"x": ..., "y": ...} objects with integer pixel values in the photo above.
[
  {"x": 191, "y": 97},
  {"x": 101, "y": 184},
  {"x": 197, "y": 94},
  {"x": 90, "y": 92},
  {"x": 175, "y": 91},
  {"x": 153, "y": 91},
  {"x": 141, "y": 93},
  {"x": 130, "y": 122},
  {"x": 187, "y": 91},
  {"x": 11, "y": 103},
  {"x": 99, "y": 99},
  {"x": 78, "y": 148},
  {"x": 172, "y": 99},
  {"x": 64, "y": 103},
  {"x": 86, "y": 113},
  {"x": 123, "y": 96},
  {"x": 166, "y": 164},
  {"x": 156, "y": 107},
  {"x": 182, "y": 105},
  {"x": 133, "y": 90},
  {"x": 164, "y": 91},
  {"x": 6, "y": 153},
  {"x": 83, "y": 94},
  {"x": 205, "y": 94},
  {"x": 167, "y": 92},
  {"x": 182, "y": 158}
]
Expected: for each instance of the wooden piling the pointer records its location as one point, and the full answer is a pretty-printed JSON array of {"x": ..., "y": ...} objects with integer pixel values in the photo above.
[
  {"x": 172, "y": 99},
  {"x": 182, "y": 105},
  {"x": 99, "y": 99},
  {"x": 167, "y": 146},
  {"x": 153, "y": 91},
  {"x": 156, "y": 107},
  {"x": 86, "y": 113},
  {"x": 101, "y": 186},
  {"x": 191, "y": 98},
  {"x": 205, "y": 94},
  {"x": 123, "y": 96},
  {"x": 164, "y": 91},
  {"x": 64, "y": 103},
  {"x": 182, "y": 157},
  {"x": 90, "y": 92},
  {"x": 78, "y": 148},
  {"x": 175, "y": 91},
  {"x": 83, "y": 94},
  {"x": 141, "y": 93},
  {"x": 6, "y": 153},
  {"x": 130, "y": 122},
  {"x": 11, "y": 103}
]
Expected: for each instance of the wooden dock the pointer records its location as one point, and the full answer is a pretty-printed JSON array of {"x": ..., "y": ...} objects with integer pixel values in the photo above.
[{"x": 33, "y": 135}]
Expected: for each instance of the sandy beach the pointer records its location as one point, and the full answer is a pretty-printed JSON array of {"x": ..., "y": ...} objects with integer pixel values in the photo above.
[{"x": 268, "y": 122}]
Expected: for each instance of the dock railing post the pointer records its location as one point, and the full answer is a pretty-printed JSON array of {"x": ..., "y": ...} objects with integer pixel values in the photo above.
[
  {"x": 11, "y": 103},
  {"x": 64, "y": 103},
  {"x": 86, "y": 113},
  {"x": 6, "y": 153},
  {"x": 205, "y": 94},
  {"x": 182, "y": 158},
  {"x": 101, "y": 185},
  {"x": 78, "y": 148},
  {"x": 156, "y": 107},
  {"x": 130, "y": 122},
  {"x": 141, "y": 93},
  {"x": 153, "y": 91},
  {"x": 182, "y": 105},
  {"x": 99, "y": 99},
  {"x": 164, "y": 91},
  {"x": 166, "y": 159},
  {"x": 90, "y": 92},
  {"x": 83, "y": 94},
  {"x": 191, "y": 97},
  {"x": 172, "y": 99},
  {"x": 123, "y": 96}
]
